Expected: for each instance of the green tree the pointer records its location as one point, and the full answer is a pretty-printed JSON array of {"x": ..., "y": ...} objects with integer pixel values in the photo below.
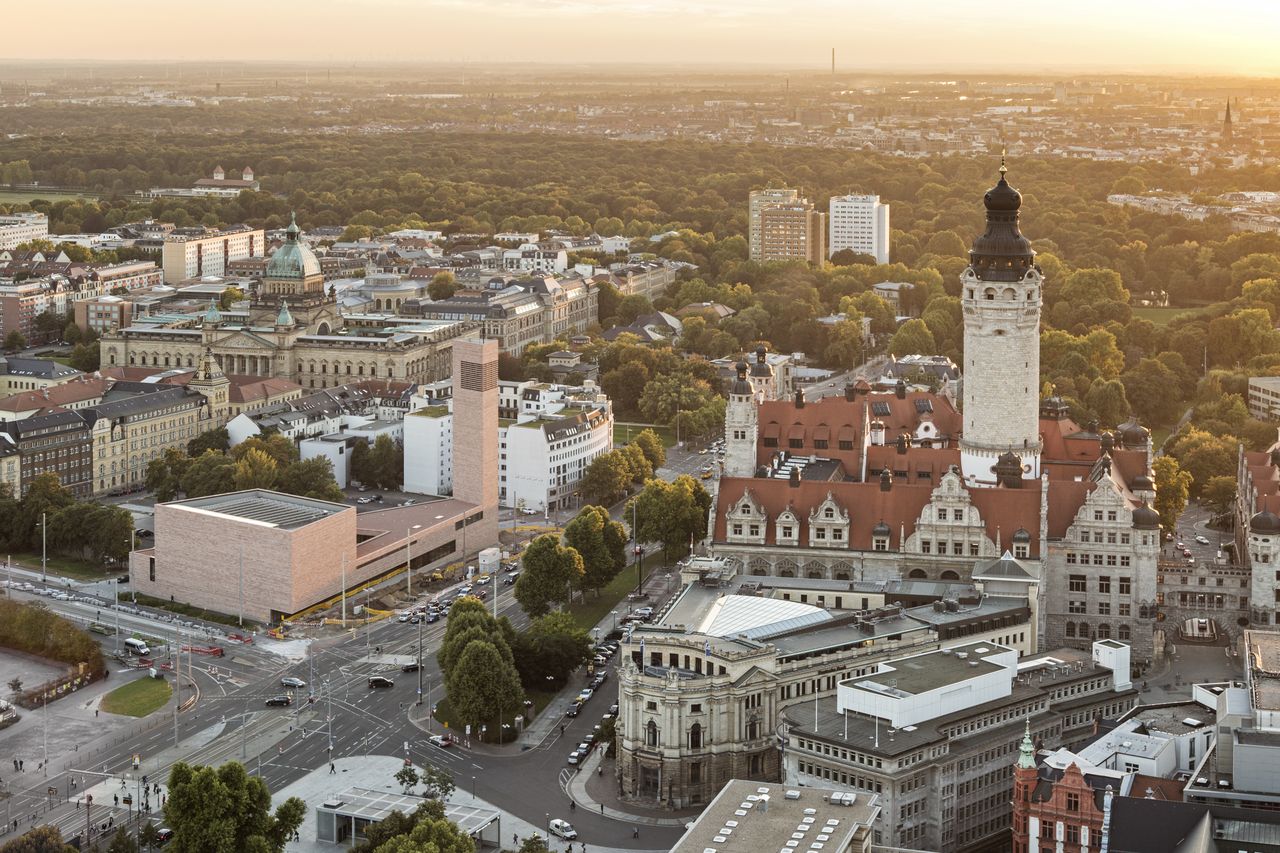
[
  {"x": 1106, "y": 399},
  {"x": 1219, "y": 493},
  {"x": 630, "y": 308},
  {"x": 1203, "y": 455},
  {"x": 392, "y": 826},
  {"x": 71, "y": 332},
  {"x": 122, "y": 842},
  {"x": 549, "y": 572},
  {"x": 1172, "y": 485},
  {"x": 607, "y": 478},
  {"x": 312, "y": 478},
  {"x": 256, "y": 470},
  {"x": 844, "y": 344},
  {"x": 637, "y": 463},
  {"x": 41, "y": 839},
  {"x": 437, "y": 783},
  {"x": 165, "y": 473},
  {"x": 407, "y": 777},
  {"x": 442, "y": 286},
  {"x": 650, "y": 445},
  {"x": 230, "y": 297},
  {"x": 913, "y": 337},
  {"x": 225, "y": 810},
  {"x": 211, "y": 439},
  {"x": 211, "y": 473},
  {"x": 550, "y": 650},
  {"x": 381, "y": 466},
  {"x": 273, "y": 444},
  {"x": 590, "y": 535},
  {"x": 483, "y": 685},
  {"x": 668, "y": 393},
  {"x": 673, "y": 513},
  {"x": 1152, "y": 389},
  {"x": 15, "y": 341},
  {"x": 86, "y": 357},
  {"x": 47, "y": 495}
]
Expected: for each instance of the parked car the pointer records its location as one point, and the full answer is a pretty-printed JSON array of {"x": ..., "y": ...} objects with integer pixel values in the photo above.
[
  {"x": 280, "y": 701},
  {"x": 380, "y": 681},
  {"x": 586, "y": 694},
  {"x": 575, "y": 757},
  {"x": 563, "y": 828},
  {"x": 292, "y": 682}
]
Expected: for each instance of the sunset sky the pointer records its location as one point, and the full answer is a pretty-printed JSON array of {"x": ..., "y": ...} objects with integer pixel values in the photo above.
[{"x": 1227, "y": 37}]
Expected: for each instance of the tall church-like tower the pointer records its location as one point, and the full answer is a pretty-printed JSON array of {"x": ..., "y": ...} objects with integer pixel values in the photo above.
[
  {"x": 741, "y": 426},
  {"x": 1000, "y": 294}
]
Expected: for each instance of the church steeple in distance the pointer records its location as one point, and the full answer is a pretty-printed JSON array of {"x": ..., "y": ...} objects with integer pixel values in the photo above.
[
  {"x": 1228, "y": 136},
  {"x": 1000, "y": 297}
]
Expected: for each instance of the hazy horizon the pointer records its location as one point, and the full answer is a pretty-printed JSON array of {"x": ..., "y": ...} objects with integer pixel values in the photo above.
[{"x": 1140, "y": 37}]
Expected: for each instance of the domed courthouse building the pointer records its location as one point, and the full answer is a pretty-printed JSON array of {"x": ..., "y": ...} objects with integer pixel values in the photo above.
[
  {"x": 877, "y": 487},
  {"x": 292, "y": 329}
]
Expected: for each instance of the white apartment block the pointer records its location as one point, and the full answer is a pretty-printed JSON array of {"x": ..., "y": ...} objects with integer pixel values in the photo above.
[
  {"x": 758, "y": 200},
  {"x": 860, "y": 223},
  {"x": 547, "y": 436},
  {"x": 191, "y": 256},
  {"x": 530, "y": 258},
  {"x": 20, "y": 228},
  {"x": 1264, "y": 397}
]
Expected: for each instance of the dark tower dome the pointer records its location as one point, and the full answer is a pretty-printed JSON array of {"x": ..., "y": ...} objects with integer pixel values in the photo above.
[
  {"x": 1145, "y": 518},
  {"x": 1108, "y": 442},
  {"x": 1008, "y": 470},
  {"x": 1134, "y": 435},
  {"x": 1001, "y": 253},
  {"x": 741, "y": 387},
  {"x": 1053, "y": 407},
  {"x": 761, "y": 366},
  {"x": 881, "y": 529},
  {"x": 1275, "y": 457},
  {"x": 1265, "y": 522},
  {"x": 1021, "y": 536},
  {"x": 1142, "y": 483}
]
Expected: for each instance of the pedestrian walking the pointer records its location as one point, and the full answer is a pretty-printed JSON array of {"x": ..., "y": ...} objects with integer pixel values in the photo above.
[
  {"x": 602, "y": 808},
  {"x": 95, "y": 712},
  {"x": 116, "y": 797},
  {"x": 22, "y": 765},
  {"x": 635, "y": 832},
  {"x": 332, "y": 770}
]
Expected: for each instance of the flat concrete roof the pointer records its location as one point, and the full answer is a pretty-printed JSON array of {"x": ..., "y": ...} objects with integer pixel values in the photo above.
[
  {"x": 935, "y": 670},
  {"x": 750, "y": 817},
  {"x": 265, "y": 507},
  {"x": 376, "y": 806},
  {"x": 1263, "y": 651}
]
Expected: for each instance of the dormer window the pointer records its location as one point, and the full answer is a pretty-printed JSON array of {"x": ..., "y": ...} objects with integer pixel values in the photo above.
[
  {"x": 942, "y": 514},
  {"x": 829, "y": 513}
]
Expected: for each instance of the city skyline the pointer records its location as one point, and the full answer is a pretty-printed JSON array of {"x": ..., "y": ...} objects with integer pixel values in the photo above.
[{"x": 929, "y": 35}]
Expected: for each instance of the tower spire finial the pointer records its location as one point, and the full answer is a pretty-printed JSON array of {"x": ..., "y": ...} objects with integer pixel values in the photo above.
[
  {"x": 1003, "y": 167},
  {"x": 1027, "y": 749}
]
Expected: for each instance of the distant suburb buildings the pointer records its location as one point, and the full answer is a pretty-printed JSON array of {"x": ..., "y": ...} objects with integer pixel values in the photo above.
[
  {"x": 17, "y": 228},
  {"x": 859, "y": 223},
  {"x": 193, "y": 252}
]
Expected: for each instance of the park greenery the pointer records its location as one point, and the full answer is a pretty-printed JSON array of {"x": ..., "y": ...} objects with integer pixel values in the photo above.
[
  {"x": 83, "y": 530},
  {"x": 380, "y": 466},
  {"x": 225, "y": 810},
  {"x": 268, "y": 461},
  {"x": 35, "y": 630},
  {"x": 1104, "y": 353}
]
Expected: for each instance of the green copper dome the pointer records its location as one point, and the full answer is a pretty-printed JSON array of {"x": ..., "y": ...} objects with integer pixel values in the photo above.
[
  {"x": 284, "y": 318},
  {"x": 293, "y": 259},
  {"x": 212, "y": 315}
]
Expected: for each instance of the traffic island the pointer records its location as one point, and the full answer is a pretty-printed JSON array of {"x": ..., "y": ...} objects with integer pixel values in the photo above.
[{"x": 138, "y": 698}]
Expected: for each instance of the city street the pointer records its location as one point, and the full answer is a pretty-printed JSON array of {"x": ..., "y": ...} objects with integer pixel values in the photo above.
[{"x": 347, "y": 718}]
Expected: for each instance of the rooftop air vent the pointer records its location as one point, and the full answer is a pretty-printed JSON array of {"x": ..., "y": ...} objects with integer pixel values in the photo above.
[{"x": 792, "y": 795}]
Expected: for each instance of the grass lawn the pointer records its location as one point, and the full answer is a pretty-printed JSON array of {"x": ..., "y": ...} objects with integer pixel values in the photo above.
[
  {"x": 137, "y": 698},
  {"x": 1162, "y": 316},
  {"x": 79, "y": 569},
  {"x": 28, "y": 196},
  {"x": 591, "y": 610},
  {"x": 1158, "y": 437},
  {"x": 623, "y": 433},
  {"x": 197, "y": 612},
  {"x": 540, "y": 699}
]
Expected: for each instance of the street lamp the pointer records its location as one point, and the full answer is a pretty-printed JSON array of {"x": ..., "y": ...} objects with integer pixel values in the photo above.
[
  {"x": 548, "y": 816},
  {"x": 44, "y": 548},
  {"x": 639, "y": 552},
  {"x": 408, "y": 556}
]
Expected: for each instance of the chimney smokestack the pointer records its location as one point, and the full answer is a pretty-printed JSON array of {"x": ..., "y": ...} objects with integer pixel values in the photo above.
[
  {"x": 850, "y": 393},
  {"x": 795, "y": 478},
  {"x": 799, "y": 399},
  {"x": 886, "y": 480}
]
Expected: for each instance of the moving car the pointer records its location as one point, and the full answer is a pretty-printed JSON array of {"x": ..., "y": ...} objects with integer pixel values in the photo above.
[
  {"x": 510, "y": 580},
  {"x": 380, "y": 681},
  {"x": 1202, "y": 540},
  {"x": 432, "y": 616},
  {"x": 403, "y": 617},
  {"x": 280, "y": 701},
  {"x": 528, "y": 511},
  {"x": 563, "y": 828},
  {"x": 574, "y": 708},
  {"x": 290, "y": 681},
  {"x": 410, "y": 667},
  {"x": 482, "y": 580},
  {"x": 442, "y": 741},
  {"x": 163, "y": 836}
]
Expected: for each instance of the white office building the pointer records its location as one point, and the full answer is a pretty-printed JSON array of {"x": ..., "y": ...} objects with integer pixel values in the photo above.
[
  {"x": 547, "y": 436},
  {"x": 192, "y": 253},
  {"x": 18, "y": 228},
  {"x": 860, "y": 223}
]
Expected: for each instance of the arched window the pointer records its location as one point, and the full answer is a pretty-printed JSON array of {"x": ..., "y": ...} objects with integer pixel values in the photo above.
[
  {"x": 1104, "y": 630},
  {"x": 1071, "y": 629},
  {"x": 949, "y": 575},
  {"x": 695, "y": 736},
  {"x": 651, "y": 734},
  {"x": 917, "y": 573},
  {"x": 1122, "y": 633}
]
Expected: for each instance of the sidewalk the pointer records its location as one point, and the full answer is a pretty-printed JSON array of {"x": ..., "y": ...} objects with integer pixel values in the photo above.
[
  {"x": 595, "y": 792},
  {"x": 376, "y": 773}
]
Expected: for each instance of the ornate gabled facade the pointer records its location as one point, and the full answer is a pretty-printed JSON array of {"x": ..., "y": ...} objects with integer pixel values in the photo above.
[
  {"x": 292, "y": 329},
  {"x": 871, "y": 487}
]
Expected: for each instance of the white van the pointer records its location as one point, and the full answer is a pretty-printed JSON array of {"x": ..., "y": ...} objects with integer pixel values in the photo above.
[{"x": 136, "y": 646}]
